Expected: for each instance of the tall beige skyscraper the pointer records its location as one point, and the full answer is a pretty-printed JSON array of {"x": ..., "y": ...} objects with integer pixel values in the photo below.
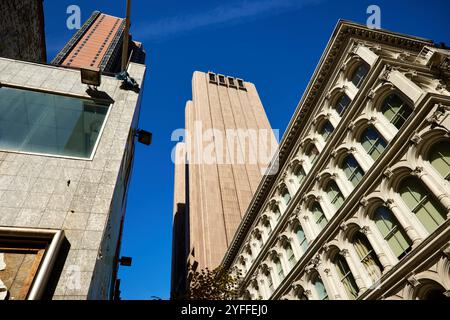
[{"x": 228, "y": 147}]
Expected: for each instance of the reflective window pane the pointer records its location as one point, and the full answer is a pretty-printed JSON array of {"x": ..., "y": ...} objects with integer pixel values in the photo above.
[
  {"x": 373, "y": 143},
  {"x": 342, "y": 104},
  {"x": 326, "y": 130},
  {"x": 396, "y": 110},
  {"x": 46, "y": 123},
  {"x": 439, "y": 157},
  {"x": 352, "y": 170},
  {"x": 319, "y": 216},
  {"x": 360, "y": 73},
  {"x": 392, "y": 231},
  {"x": 429, "y": 211}
]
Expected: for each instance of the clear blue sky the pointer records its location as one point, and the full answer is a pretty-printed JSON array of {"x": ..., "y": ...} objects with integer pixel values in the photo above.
[{"x": 275, "y": 44}]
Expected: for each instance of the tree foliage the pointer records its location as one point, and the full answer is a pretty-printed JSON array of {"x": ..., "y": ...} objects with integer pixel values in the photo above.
[{"x": 217, "y": 284}]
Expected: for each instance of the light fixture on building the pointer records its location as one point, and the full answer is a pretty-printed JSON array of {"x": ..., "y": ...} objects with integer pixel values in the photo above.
[
  {"x": 125, "y": 261},
  {"x": 144, "y": 137},
  {"x": 91, "y": 76}
]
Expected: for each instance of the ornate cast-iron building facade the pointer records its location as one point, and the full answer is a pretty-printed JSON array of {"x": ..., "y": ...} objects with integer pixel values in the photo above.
[{"x": 360, "y": 206}]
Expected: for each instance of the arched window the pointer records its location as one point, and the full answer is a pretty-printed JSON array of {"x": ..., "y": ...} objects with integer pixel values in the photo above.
[
  {"x": 299, "y": 174},
  {"x": 285, "y": 195},
  {"x": 342, "y": 104},
  {"x": 268, "y": 226},
  {"x": 367, "y": 256},
  {"x": 318, "y": 215},
  {"x": 276, "y": 211},
  {"x": 335, "y": 195},
  {"x": 290, "y": 255},
  {"x": 325, "y": 130},
  {"x": 269, "y": 278},
  {"x": 302, "y": 296},
  {"x": 243, "y": 264},
  {"x": 439, "y": 157},
  {"x": 360, "y": 73},
  {"x": 431, "y": 290},
  {"x": 259, "y": 240},
  {"x": 312, "y": 153},
  {"x": 279, "y": 268},
  {"x": 301, "y": 237},
  {"x": 320, "y": 288},
  {"x": 346, "y": 276},
  {"x": 372, "y": 142},
  {"x": 429, "y": 212},
  {"x": 352, "y": 170},
  {"x": 249, "y": 252},
  {"x": 247, "y": 295},
  {"x": 392, "y": 231},
  {"x": 396, "y": 110}
]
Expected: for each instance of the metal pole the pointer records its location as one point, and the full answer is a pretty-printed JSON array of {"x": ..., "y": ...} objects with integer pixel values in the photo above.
[{"x": 126, "y": 37}]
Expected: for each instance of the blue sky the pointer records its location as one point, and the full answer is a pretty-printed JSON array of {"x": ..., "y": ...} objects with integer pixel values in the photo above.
[{"x": 275, "y": 44}]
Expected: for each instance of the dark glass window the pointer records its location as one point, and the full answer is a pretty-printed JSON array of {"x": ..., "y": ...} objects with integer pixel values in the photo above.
[{"x": 45, "y": 123}]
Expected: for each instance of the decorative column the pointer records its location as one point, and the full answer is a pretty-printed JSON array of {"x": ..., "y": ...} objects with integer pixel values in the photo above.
[
  {"x": 384, "y": 260},
  {"x": 355, "y": 271},
  {"x": 434, "y": 187},
  {"x": 409, "y": 229}
]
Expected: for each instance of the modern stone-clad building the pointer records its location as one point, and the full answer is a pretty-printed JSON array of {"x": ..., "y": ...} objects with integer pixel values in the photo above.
[
  {"x": 66, "y": 156},
  {"x": 228, "y": 147},
  {"x": 360, "y": 205},
  {"x": 22, "y": 34}
]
